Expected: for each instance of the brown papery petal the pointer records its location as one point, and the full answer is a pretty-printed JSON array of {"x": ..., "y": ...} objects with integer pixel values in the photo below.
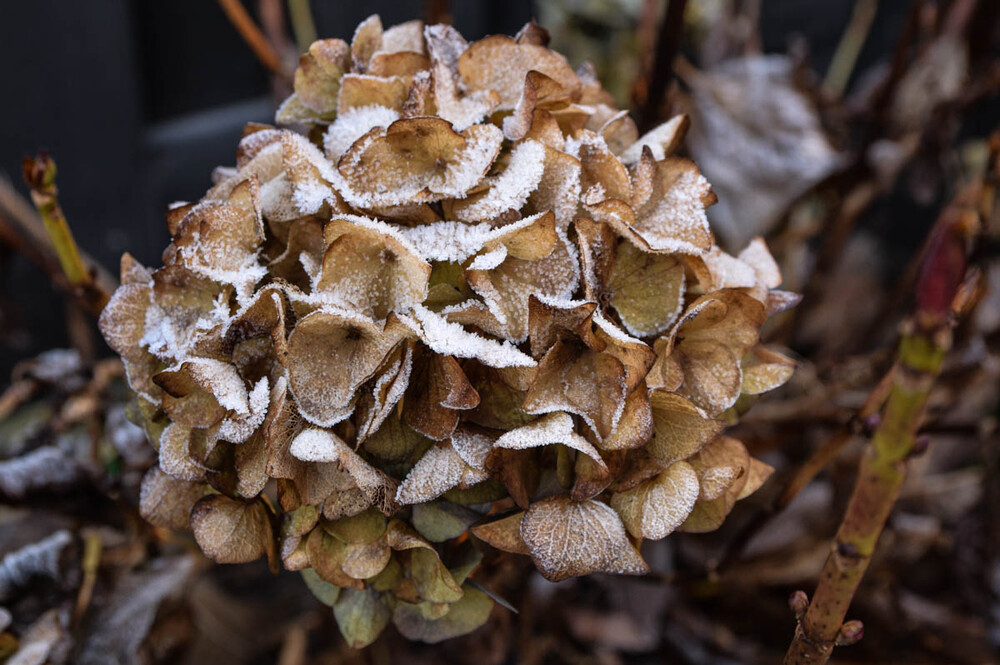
[
  {"x": 330, "y": 355},
  {"x": 418, "y": 159},
  {"x": 440, "y": 391},
  {"x": 647, "y": 290},
  {"x": 361, "y": 90},
  {"x": 579, "y": 380},
  {"x": 723, "y": 452},
  {"x": 655, "y": 507},
  {"x": 367, "y": 40},
  {"x": 369, "y": 269},
  {"x": 231, "y": 531},
  {"x": 597, "y": 243},
  {"x": 568, "y": 538},
  {"x": 548, "y": 322},
  {"x": 503, "y": 534},
  {"x": 499, "y": 63},
  {"x": 317, "y": 79},
  {"x": 680, "y": 428}
]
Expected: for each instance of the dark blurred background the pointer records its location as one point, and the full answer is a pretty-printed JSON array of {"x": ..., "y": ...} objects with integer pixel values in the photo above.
[{"x": 139, "y": 100}]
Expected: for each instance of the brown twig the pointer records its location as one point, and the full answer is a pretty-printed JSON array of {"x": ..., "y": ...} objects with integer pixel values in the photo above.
[
  {"x": 40, "y": 176},
  {"x": 437, "y": 11},
  {"x": 303, "y": 25},
  {"x": 846, "y": 55},
  {"x": 925, "y": 342},
  {"x": 23, "y": 229},
  {"x": 266, "y": 53},
  {"x": 668, "y": 44}
]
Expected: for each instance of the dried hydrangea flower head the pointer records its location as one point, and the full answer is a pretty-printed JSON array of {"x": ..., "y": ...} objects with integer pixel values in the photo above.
[{"x": 465, "y": 296}]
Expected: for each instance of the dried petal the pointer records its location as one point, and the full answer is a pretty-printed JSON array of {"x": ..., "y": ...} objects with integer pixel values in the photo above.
[
  {"x": 654, "y": 508},
  {"x": 568, "y": 538},
  {"x": 231, "y": 531}
]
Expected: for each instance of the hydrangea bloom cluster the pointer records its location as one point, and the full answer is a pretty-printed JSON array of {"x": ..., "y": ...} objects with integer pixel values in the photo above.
[{"x": 461, "y": 295}]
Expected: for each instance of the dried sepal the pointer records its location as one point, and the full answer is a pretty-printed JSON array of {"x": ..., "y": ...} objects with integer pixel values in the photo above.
[
  {"x": 764, "y": 370},
  {"x": 567, "y": 538},
  {"x": 316, "y": 445},
  {"x": 417, "y": 159},
  {"x": 453, "y": 100},
  {"x": 701, "y": 355},
  {"x": 441, "y": 392},
  {"x": 330, "y": 355},
  {"x": 362, "y": 615},
  {"x": 438, "y": 470},
  {"x": 550, "y": 429},
  {"x": 646, "y": 290},
  {"x": 463, "y": 616},
  {"x": 367, "y": 267},
  {"x": 666, "y": 210},
  {"x": 723, "y": 466},
  {"x": 680, "y": 429},
  {"x": 503, "y": 534},
  {"x": 655, "y": 507},
  {"x": 500, "y": 63},
  {"x": 167, "y": 501},
  {"x": 317, "y": 83},
  {"x": 575, "y": 378},
  {"x": 232, "y": 531}
]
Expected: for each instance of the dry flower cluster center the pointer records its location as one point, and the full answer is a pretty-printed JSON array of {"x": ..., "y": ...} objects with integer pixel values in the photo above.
[{"x": 466, "y": 296}]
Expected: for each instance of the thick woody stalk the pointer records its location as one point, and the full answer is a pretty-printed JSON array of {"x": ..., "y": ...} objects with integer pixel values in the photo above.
[{"x": 925, "y": 342}]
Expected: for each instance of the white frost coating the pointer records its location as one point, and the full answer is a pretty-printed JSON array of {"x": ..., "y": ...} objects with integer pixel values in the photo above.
[
  {"x": 758, "y": 257},
  {"x": 440, "y": 469},
  {"x": 311, "y": 195},
  {"x": 451, "y": 339},
  {"x": 397, "y": 376},
  {"x": 679, "y": 214},
  {"x": 220, "y": 379},
  {"x": 314, "y": 445},
  {"x": 473, "y": 447},
  {"x": 657, "y": 139},
  {"x": 238, "y": 429},
  {"x": 511, "y": 189},
  {"x": 352, "y": 124},
  {"x": 458, "y": 241},
  {"x": 561, "y": 303},
  {"x": 590, "y": 139},
  {"x": 728, "y": 271},
  {"x": 614, "y": 331},
  {"x": 489, "y": 260},
  {"x": 547, "y": 430}
]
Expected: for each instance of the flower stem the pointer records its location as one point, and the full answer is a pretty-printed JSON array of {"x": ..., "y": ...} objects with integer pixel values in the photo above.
[
  {"x": 925, "y": 342},
  {"x": 40, "y": 175}
]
